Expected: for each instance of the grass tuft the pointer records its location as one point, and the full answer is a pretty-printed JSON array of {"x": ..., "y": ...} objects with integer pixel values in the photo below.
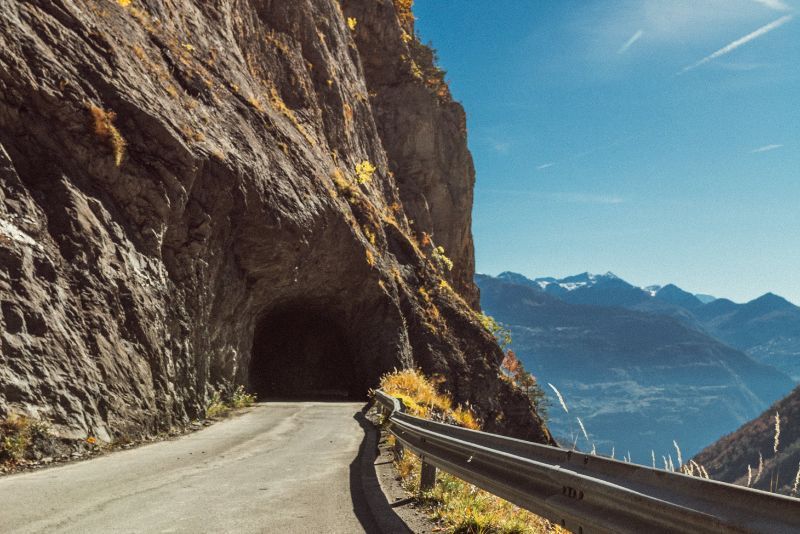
[
  {"x": 105, "y": 129},
  {"x": 422, "y": 398}
]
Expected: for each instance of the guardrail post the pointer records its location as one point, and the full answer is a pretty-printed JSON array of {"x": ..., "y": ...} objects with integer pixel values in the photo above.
[
  {"x": 397, "y": 449},
  {"x": 427, "y": 477}
]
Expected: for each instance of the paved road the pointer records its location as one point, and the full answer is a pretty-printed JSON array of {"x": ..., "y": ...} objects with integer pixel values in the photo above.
[{"x": 281, "y": 467}]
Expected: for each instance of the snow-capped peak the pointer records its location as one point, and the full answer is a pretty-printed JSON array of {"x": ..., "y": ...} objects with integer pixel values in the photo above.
[
  {"x": 652, "y": 290},
  {"x": 576, "y": 281}
]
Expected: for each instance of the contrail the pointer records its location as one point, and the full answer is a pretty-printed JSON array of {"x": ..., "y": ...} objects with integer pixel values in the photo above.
[
  {"x": 635, "y": 37},
  {"x": 777, "y": 5},
  {"x": 766, "y": 148},
  {"x": 739, "y": 42}
]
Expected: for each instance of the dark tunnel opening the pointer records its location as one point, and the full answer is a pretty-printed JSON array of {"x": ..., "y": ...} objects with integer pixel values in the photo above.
[{"x": 299, "y": 353}]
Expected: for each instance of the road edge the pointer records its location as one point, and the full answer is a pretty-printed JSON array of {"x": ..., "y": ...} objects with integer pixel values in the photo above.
[{"x": 384, "y": 485}]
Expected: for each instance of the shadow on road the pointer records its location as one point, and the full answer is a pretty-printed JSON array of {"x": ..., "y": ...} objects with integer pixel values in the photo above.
[{"x": 369, "y": 502}]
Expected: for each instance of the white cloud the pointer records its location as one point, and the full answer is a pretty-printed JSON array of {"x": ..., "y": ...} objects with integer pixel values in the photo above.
[
  {"x": 605, "y": 25},
  {"x": 777, "y": 5},
  {"x": 763, "y": 30},
  {"x": 501, "y": 147},
  {"x": 765, "y": 148},
  {"x": 600, "y": 28},
  {"x": 544, "y": 166},
  {"x": 635, "y": 37}
]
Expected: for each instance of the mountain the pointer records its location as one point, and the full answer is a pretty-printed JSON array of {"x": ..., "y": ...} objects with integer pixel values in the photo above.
[
  {"x": 672, "y": 294},
  {"x": 601, "y": 290},
  {"x": 728, "y": 458},
  {"x": 767, "y": 328},
  {"x": 199, "y": 195},
  {"x": 638, "y": 380},
  {"x": 705, "y": 299}
]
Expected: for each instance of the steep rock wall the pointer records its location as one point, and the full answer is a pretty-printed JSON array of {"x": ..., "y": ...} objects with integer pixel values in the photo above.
[{"x": 174, "y": 175}]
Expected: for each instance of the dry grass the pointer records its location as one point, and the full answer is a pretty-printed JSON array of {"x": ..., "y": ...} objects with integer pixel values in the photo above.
[
  {"x": 347, "y": 113},
  {"x": 17, "y": 435},
  {"x": 457, "y": 506},
  {"x": 432, "y": 313},
  {"x": 103, "y": 125},
  {"x": 342, "y": 184},
  {"x": 195, "y": 135},
  {"x": 404, "y": 13},
  {"x": 219, "y": 406},
  {"x": 279, "y": 105},
  {"x": 255, "y": 102},
  {"x": 422, "y": 398}
]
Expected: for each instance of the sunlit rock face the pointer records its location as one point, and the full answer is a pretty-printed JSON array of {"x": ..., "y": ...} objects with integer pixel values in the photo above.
[{"x": 188, "y": 188}]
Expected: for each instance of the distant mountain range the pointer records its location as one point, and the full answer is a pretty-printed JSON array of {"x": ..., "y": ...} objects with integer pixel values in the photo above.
[
  {"x": 767, "y": 328},
  {"x": 639, "y": 366}
]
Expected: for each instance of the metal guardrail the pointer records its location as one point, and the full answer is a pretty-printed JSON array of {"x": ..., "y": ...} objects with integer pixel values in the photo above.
[{"x": 587, "y": 493}]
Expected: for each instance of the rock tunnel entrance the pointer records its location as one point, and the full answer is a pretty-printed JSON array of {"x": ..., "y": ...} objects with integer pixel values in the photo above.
[{"x": 299, "y": 353}]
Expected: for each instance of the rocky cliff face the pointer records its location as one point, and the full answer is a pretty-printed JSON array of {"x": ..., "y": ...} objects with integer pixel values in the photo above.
[{"x": 192, "y": 191}]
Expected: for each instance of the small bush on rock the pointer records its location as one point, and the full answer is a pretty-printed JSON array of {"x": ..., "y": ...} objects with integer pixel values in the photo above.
[
  {"x": 105, "y": 129},
  {"x": 17, "y": 435}
]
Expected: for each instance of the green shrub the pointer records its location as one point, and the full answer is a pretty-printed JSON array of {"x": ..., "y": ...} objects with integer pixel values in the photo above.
[
  {"x": 18, "y": 434},
  {"x": 501, "y": 333},
  {"x": 221, "y": 406},
  {"x": 242, "y": 399},
  {"x": 438, "y": 256},
  {"x": 216, "y": 406}
]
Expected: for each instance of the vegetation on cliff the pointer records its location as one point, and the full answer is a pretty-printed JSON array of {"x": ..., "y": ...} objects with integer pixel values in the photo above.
[{"x": 457, "y": 506}]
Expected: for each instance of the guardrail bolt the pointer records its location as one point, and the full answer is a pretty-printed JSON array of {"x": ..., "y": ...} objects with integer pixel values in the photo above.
[{"x": 427, "y": 477}]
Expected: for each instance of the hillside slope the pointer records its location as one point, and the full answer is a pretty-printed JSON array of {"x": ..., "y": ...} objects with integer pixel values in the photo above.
[
  {"x": 728, "y": 458},
  {"x": 200, "y": 194},
  {"x": 637, "y": 380}
]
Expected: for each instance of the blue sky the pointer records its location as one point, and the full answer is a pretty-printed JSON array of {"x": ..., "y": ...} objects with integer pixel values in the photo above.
[{"x": 658, "y": 139}]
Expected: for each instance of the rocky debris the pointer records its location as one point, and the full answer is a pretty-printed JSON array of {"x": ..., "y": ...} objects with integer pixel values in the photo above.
[{"x": 175, "y": 173}]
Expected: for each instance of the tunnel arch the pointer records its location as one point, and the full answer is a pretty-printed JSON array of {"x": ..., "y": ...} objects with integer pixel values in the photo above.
[{"x": 306, "y": 351}]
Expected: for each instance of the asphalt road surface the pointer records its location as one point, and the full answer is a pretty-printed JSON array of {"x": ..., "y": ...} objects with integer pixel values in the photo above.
[{"x": 281, "y": 467}]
